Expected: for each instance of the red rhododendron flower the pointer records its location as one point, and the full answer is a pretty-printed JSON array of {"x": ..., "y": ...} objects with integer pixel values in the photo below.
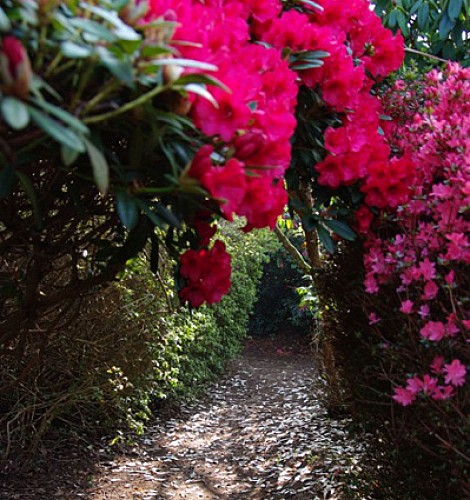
[
  {"x": 232, "y": 113},
  {"x": 227, "y": 184},
  {"x": 15, "y": 68},
  {"x": 207, "y": 275},
  {"x": 364, "y": 219},
  {"x": 263, "y": 202},
  {"x": 205, "y": 231}
]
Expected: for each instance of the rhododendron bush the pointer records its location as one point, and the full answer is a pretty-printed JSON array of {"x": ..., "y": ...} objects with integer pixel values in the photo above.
[
  {"x": 179, "y": 112},
  {"x": 418, "y": 254}
]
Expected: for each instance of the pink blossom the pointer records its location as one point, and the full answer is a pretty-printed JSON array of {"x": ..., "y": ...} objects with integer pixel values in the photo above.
[
  {"x": 455, "y": 373},
  {"x": 424, "y": 311},
  {"x": 443, "y": 392},
  {"x": 403, "y": 396},
  {"x": 406, "y": 306},
  {"x": 430, "y": 290},
  {"x": 450, "y": 277},
  {"x": 427, "y": 269},
  {"x": 437, "y": 365},
  {"x": 433, "y": 330},
  {"x": 373, "y": 318},
  {"x": 414, "y": 385},
  {"x": 429, "y": 384}
]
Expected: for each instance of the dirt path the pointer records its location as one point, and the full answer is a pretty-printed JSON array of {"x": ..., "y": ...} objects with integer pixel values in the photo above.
[{"x": 260, "y": 433}]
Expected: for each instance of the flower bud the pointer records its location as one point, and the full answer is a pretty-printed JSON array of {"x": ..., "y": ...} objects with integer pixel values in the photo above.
[{"x": 15, "y": 68}]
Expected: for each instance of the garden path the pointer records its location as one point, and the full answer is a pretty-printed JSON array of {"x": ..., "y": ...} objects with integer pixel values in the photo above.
[{"x": 259, "y": 433}]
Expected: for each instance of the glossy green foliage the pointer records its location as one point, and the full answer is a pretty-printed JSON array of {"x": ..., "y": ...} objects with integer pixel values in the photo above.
[{"x": 438, "y": 27}]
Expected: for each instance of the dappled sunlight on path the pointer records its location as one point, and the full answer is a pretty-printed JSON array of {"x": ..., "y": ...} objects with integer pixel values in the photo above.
[{"x": 260, "y": 433}]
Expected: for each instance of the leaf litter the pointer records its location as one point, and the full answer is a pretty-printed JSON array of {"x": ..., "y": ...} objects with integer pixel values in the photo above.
[{"x": 261, "y": 432}]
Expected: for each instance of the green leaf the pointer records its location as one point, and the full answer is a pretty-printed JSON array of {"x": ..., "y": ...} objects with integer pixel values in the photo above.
[
  {"x": 27, "y": 185},
  {"x": 127, "y": 209},
  {"x": 15, "y": 112},
  {"x": 68, "y": 155},
  {"x": 307, "y": 65},
  {"x": 100, "y": 166},
  {"x": 310, "y": 3},
  {"x": 203, "y": 92},
  {"x": 309, "y": 222},
  {"x": 135, "y": 242},
  {"x": 57, "y": 130},
  {"x": 326, "y": 240},
  {"x": 454, "y": 8},
  {"x": 203, "y": 79},
  {"x": 93, "y": 28},
  {"x": 185, "y": 63},
  {"x": 62, "y": 115},
  {"x": 445, "y": 26},
  {"x": 392, "y": 19},
  {"x": 340, "y": 228},
  {"x": 423, "y": 17},
  {"x": 5, "y": 24},
  {"x": 149, "y": 51},
  {"x": 402, "y": 22},
  {"x": 310, "y": 55},
  {"x": 122, "y": 70},
  {"x": 167, "y": 216},
  {"x": 74, "y": 50},
  {"x": 416, "y": 6}
]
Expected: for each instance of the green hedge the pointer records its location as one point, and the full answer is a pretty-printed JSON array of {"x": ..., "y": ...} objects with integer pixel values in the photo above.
[{"x": 131, "y": 345}]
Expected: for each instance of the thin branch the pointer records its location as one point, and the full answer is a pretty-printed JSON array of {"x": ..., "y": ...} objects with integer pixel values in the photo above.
[
  {"x": 424, "y": 54},
  {"x": 294, "y": 253},
  {"x": 127, "y": 107}
]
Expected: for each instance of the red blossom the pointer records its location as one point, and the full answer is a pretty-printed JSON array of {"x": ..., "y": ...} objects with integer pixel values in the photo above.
[
  {"x": 15, "y": 68},
  {"x": 207, "y": 275}
]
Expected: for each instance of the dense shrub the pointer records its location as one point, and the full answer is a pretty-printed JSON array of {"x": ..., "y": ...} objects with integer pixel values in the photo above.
[
  {"x": 412, "y": 350},
  {"x": 417, "y": 270},
  {"x": 132, "y": 345}
]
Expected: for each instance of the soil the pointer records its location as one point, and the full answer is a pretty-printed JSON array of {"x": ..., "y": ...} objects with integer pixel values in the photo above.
[{"x": 261, "y": 432}]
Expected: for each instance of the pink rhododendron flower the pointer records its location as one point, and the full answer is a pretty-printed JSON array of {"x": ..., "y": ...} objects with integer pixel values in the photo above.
[
  {"x": 442, "y": 393},
  {"x": 433, "y": 330},
  {"x": 430, "y": 290},
  {"x": 373, "y": 318},
  {"x": 414, "y": 385},
  {"x": 406, "y": 306},
  {"x": 455, "y": 373},
  {"x": 437, "y": 365},
  {"x": 403, "y": 396}
]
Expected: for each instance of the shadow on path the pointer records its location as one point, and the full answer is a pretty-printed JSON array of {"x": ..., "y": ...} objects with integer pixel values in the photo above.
[{"x": 261, "y": 432}]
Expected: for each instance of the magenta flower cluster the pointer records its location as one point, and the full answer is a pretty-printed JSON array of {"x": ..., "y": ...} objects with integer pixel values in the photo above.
[
  {"x": 249, "y": 131},
  {"x": 427, "y": 258}
]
